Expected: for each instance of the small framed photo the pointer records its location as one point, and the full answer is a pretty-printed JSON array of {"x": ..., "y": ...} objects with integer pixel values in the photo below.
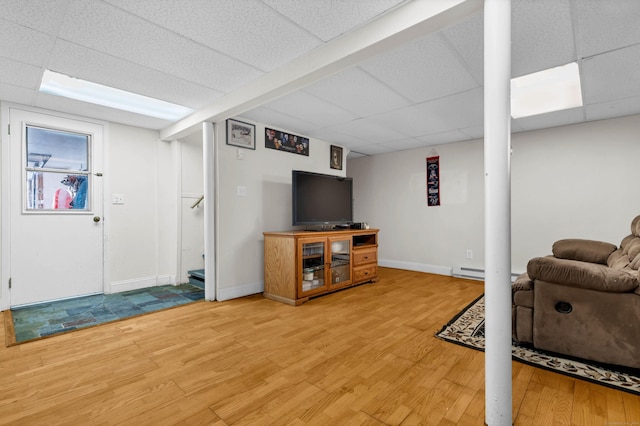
[
  {"x": 336, "y": 157},
  {"x": 241, "y": 134}
]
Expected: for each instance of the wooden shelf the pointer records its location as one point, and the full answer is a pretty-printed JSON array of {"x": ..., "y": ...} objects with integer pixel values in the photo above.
[{"x": 355, "y": 263}]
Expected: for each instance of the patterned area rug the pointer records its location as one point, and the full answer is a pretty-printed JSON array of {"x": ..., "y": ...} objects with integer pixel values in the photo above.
[
  {"x": 42, "y": 320},
  {"x": 467, "y": 329}
]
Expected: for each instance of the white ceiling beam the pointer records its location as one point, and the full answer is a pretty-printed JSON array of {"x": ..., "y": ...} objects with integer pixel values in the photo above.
[{"x": 403, "y": 24}]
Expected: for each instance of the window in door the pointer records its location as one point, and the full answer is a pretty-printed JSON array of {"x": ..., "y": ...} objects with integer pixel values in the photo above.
[{"x": 57, "y": 170}]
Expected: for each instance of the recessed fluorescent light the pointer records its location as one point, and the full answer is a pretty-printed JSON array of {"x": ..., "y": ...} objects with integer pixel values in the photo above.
[
  {"x": 549, "y": 90},
  {"x": 62, "y": 85}
]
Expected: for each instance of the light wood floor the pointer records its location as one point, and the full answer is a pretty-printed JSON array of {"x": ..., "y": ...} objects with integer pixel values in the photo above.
[{"x": 366, "y": 355}]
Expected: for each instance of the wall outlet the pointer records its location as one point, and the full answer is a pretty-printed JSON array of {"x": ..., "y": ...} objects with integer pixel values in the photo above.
[
  {"x": 469, "y": 254},
  {"x": 117, "y": 199},
  {"x": 242, "y": 191}
]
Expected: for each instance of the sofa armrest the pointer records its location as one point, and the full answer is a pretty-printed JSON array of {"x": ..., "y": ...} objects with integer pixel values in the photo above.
[
  {"x": 574, "y": 273},
  {"x": 583, "y": 250}
]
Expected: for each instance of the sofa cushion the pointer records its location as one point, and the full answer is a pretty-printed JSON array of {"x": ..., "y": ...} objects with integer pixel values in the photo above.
[
  {"x": 584, "y": 250},
  {"x": 635, "y": 265},
  {"x": 581, "y": 274},
  {"x": 618, "y": 260},
  {"x": 633, "y": 248},
  {"x": 522, "y": 291},
  {"x": 522, "y": 324},
  {"x": 635, "y": 226},
  {"x": 523, "y": 282},
  {"x": 624, "y": 244}
]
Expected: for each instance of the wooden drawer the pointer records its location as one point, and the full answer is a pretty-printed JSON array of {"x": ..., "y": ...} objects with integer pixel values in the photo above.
[
  {"x": 365, "y": 273},
  {"x": 364, "y": 256}
]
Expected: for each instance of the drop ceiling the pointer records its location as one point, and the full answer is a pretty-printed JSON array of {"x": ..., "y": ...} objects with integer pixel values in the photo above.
[{"x": 427, "y": 91}]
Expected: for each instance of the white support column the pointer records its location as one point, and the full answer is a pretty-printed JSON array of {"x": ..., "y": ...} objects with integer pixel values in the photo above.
[
  {"x": 208, "y": 154},
  {"x": 497, "y": 230}
]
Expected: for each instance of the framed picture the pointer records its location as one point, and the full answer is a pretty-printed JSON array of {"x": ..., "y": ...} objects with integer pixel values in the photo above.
[
  {"x": 241, "y": 134},
  {"x": 336, "y": 157},
  {"x": 282, "y": 141}
]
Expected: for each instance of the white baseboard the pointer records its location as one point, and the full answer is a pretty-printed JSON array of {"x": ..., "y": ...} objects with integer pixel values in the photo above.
[
  {"x": 436, "y": 269},
  {"x": 166, "y": 279},
  {"x": 239, "y": 291},
  {"x": 414, "y": 266},
  {"x": 140, "y": 283}
]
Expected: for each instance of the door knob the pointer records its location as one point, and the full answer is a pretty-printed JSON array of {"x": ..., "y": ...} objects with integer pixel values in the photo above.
[{"x": 96, "y": 219}]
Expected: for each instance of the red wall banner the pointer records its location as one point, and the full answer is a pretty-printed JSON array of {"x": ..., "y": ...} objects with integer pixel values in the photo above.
[{"x": 433, "y": 181}]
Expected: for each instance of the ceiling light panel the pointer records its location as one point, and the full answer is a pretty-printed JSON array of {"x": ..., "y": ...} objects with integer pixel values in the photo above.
[
  {"x": 57, "y": 84},
  {"x": 553, "y": 89}
]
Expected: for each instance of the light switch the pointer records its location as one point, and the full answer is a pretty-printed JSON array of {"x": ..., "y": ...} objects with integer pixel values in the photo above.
[{"x": 240, "y": 154}]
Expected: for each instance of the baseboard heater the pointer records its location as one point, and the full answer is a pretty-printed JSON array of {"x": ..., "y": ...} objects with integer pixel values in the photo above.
[
  {"x": 470, "y": 273},
  {"x": 474, "y": 273}
]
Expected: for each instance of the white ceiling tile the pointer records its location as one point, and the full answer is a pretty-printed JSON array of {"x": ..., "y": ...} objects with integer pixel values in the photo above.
[
  {"x": 444, "y": 137},
  {"x": 23, "y": 44},
  {"x": 356, "y": 91},
  {"x": 247, "y": 30},
  {"x": 542, "y": 35},
  {"x": 19, "y": 73},
  {"x": 467, "y": 37},
  {"x": 278, "y": 120},
  {"x": 337, "y": 138},
  {"x": 109, "y": 30},
  {"x": 461, "y": 110},
  {"x": 607, "y": 25},
  {"x": 442, "y": 115},
  {"x": 473, "y": 132},
  {"x": 368, "y": 130},
  {"x": 330, "y": 18},
  {"x": 372, "y": 149},
  {"x": 310, "y": 109},
  {"x": 612, "y": 75},
  {"x": 81, "y": 62},
  {"x": 613, "y": 109},
  {"x": 552, "y": 119},
  {"x": 18, "y": 94},
  {"x": 41, "y": 15},
  {"x": 411, "y": 121},
  {"x": 422, "y": 70},
  {"x": 404, "y": 144},
  {"x": 192, "y": 52}
]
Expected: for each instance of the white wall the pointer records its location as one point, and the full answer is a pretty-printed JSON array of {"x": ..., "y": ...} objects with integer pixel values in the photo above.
[
  {"x": 141, "y": 236},
  {"x": 567, "y": 182},
  {"x": 191, "y": 231},
  {"x": 266, "y": 174}
]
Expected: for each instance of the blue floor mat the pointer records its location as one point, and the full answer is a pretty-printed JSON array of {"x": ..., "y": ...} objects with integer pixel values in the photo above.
[{"x": 46, "y": 319}]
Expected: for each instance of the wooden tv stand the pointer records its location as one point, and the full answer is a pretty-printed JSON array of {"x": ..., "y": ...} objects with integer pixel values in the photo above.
[{"x": 299, "y": 265}]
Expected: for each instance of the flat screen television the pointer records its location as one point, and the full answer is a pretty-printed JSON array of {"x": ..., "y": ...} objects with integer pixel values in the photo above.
[{"x": 320, "y": 199}]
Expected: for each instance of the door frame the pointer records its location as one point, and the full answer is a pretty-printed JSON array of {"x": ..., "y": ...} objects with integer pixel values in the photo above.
[{"x": 5, "y": 198}]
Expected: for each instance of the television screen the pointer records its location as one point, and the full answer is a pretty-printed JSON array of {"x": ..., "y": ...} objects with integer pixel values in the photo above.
[{"x": 319, "y": 199}]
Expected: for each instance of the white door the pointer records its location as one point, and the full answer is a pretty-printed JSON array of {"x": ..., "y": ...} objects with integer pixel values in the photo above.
[{"x": 56, "y": 242}]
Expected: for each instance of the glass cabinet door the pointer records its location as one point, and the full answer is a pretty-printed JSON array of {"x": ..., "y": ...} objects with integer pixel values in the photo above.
[
  {"x": 340, "y": 249},
  {"x": 313, "y": 267}
]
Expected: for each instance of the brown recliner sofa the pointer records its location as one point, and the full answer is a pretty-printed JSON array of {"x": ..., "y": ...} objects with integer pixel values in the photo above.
[{"x": 584, "y": 301}]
